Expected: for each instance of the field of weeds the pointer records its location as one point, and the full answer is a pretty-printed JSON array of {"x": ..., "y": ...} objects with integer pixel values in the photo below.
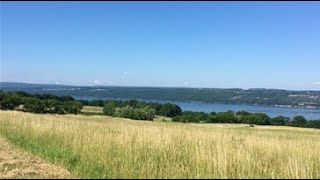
[{"x": 109, "y": 147}]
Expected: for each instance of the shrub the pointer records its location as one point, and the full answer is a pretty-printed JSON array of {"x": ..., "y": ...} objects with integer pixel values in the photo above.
[
  {"x": 9, "y": 100},
  {"x": 298, "y": 121},
  {"x": 279, "y": 121}
]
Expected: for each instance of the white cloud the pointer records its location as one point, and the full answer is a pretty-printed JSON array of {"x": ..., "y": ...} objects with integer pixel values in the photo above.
[
  {"x": 123, "y": 75},
  {"x": 186, "y": 83},
  {"x": 316, "y": 83},
  {"x": 110, "y": 82},
  {"x": 97, "y": 82}
]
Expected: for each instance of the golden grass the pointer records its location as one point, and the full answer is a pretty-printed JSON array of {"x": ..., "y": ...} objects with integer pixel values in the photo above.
[
  {"x": 109, "y": 147},
  {"x": 15, "y": 164},
  {"x": 94, "y": 109},
  {"x": 162, "y": 119}
]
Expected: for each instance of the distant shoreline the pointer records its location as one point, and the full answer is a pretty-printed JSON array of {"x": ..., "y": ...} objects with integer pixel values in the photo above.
[
  {"x": 236, "y": 96},
  {"x": 186, "y": 101}
]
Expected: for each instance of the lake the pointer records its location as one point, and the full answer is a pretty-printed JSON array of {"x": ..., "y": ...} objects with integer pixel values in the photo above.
[{"x": 309, "y": 114}]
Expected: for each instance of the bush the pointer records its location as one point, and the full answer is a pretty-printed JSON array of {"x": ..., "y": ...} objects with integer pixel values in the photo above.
[
  {"x": 170, "y": 110},
  {"x": 313, "y": 124},
  {"x": 224, "y": 117},
  {"x": 298, "y": 121},
  {"x": 54, "y": 107},
  {"x": 279, "y": 121},
  {"x": 34, "y": 105},
  {"x": 254, "y": 118},
  {"x": 145, "y": 113},
  {"x": 109, "y": 108},
  {"x": 72, "y": 107},
  {"x": 9, "y": 100},
  {"x": 194, "y": 117},
  {"x": 135, "y": 109}
]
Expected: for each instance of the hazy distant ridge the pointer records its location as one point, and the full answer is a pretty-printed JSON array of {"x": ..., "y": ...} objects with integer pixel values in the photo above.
[{"x": 253, "y": 96}]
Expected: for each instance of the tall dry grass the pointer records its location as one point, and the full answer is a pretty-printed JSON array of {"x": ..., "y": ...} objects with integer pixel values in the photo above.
[{"x": 108, "y": 147}]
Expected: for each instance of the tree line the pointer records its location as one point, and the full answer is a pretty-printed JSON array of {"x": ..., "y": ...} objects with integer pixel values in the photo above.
[
  {"x": 139, "y": 110},
  {"x": 135, "y": 109},
  {"x": 52, "y": 104},
  {"x": 39, "y": 103},
  {"x": 244, "y": 117}
]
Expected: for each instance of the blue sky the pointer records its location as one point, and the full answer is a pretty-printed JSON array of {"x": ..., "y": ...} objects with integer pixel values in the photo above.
[{"x": 172, "y": 44}]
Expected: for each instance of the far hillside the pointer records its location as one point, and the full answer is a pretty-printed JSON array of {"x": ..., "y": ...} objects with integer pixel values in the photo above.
[
  {"x": 139, "y": 110},
  {"x": 254, "y": 96}
]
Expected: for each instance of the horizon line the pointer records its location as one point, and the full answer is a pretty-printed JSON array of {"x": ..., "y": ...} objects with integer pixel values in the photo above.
[{"x": 154, "y": 86}]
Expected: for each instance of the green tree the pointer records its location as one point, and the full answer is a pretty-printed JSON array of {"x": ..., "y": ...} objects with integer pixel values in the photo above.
[
  {"x": 54, "y": 107},
  {"x": 109, "y": 108},
  {"x": 298, "y": 121},
  {"x": 133, "y": 103},
  {"x": 156, "y": 106},
  {"x": 145, "y": 113},
  {"x": 72, "y": 107},
  {"x": 313, "y": 124},
  {"x": 225, "y": 117},
  {"x": 259, "y": 119},
  {"x": 170, "y": 110},
  {"x": 279, "y": 121},
  {"x": 9, "y": 100},
  {"x": 34, "y": 105}
]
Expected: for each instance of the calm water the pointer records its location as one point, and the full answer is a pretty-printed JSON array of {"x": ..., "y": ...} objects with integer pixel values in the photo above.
[{"x": 310, "y": 114}]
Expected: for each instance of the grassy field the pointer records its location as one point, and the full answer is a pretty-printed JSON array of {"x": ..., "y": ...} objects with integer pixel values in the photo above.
[
  {"x": 16, "y": 164},
  {"x": 108, "y": 147},
  {"x": 92, "y": 110}
]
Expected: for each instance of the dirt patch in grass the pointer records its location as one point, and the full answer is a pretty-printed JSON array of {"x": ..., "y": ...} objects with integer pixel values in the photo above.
[{"x": 17, "y": 164}]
